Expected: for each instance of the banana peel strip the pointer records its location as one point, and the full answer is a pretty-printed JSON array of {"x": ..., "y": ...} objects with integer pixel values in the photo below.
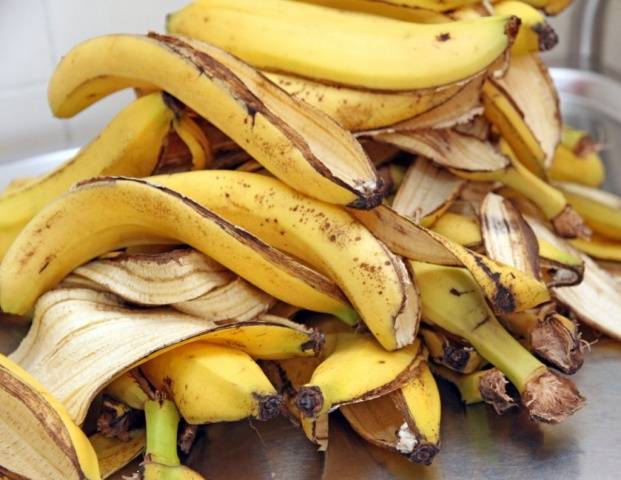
[
  {"x": 39, "y": 439},
  {"x": 506, "y": 288},
  {"x": 157, "y": 279},
  {"x": 596, "y": 301},
  {"x": 529, "y": 87},
  {"x": 426, "y": 192},
  {"x": 507, "y": 237},
  {"x": 113, "y": 454},
  {"x": 97, "y": 338},
  {"x": 450, "y": 149}
]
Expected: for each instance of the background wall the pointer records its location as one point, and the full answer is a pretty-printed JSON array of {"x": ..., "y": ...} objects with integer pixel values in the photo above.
[{"x": 34, "y": 34}]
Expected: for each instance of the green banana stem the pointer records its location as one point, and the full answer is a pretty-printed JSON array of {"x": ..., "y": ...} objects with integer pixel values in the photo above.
[{"x": 162, "y": 420}]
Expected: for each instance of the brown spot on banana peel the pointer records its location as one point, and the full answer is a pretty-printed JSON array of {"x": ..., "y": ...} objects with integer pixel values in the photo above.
[
  {"x": 547, "y": 36},
  {"x": 550, "y": 398},
  {"x": 504, "y": 299},
  {"x": 569, "y": 224},
  {"x": 493, "y": 389},
  {"x": 370, "y": 194},
  {"x": 270, "y": 406},
  {"x": 555, "y": 344},
  {"x": 512, "y": 28}
]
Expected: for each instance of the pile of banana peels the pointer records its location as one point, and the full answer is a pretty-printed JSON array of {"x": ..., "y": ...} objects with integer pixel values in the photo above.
[{"x": 310, "y": 206}]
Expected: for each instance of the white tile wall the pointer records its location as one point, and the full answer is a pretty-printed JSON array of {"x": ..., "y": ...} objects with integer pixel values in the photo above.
[{"x": 34, "y": 34}]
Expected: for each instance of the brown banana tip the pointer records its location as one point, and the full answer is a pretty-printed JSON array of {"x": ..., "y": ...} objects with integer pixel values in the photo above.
[
  {"x": 552, "y": 342},
  {"x": 455, "y": 357},
  {"x": 569, "y": 224},
  {"x": 423, "y": 454},
  {"x": 369, "y": 196},
  {"x": 493, "y": 388},
  {"x": 310, "y": 401},
  {"x": 547, "y": 36},
  {"x": 512, "y": 27},
  {"x": 316, "y": 343},
  {"x": 550, "y": 398},
  {"x": 270, "y": 406}
]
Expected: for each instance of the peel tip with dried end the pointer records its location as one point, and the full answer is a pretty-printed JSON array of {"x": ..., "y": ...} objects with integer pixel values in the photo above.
[
  {"x": 569, "y": 224},
  {"x": 456, "y": 358},
  {"x": 370, "y": 196},
  {"x": 550, "y": 398},
  {"x": 316, "y": 342},
  {"x": 552, "y": 342},
  {"x": 270, "y": 406},
  {"x": 548, "y": 38},
  {"x": 493, "y": 389},
  {"x": 309, "y": 401},
  {"x": 423, "y": 453}
]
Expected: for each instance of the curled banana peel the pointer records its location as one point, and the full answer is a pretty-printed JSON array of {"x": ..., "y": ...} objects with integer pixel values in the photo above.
[
  {"x": 445, "y": 290},
  {"x": 426, "y": 192},
  {"x": 195, "y": 140},
  {"x": 557, "y": 267},
  {"x": 448, "y": 351},
  {"x": 324, "y": 236},
  {"x": 361, "y": 109},
  {"x": 173, "y": 276},
  {"x": 488, "y": 385},
  {"x": 213, "y": 383},
  {"x": 600, "y": 210},
  {"x": 113, "y": 454},
  {"x": 535, "y": 34},
  {"x": 406, "y": 421},
  {"x": 68, "y": 319},
  {"x": 524, "y": 106},
  {"x": 577, "y": 160},
  {"x": 372, "y": 372},
  {"x": 73, "y": 230},
  {"x": 397, "y": 11},
  {"x": 595, "y": 300},
  {"x": 39, "y": 438},
  {"x": 454, "y": 51},
  {"x": 506, "y": 288},
  {"x": 298, "y": 144},
  {"x": 161, "y": 461}
]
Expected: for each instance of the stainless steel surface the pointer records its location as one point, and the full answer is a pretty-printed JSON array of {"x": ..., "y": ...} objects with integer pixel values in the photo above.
[
  {"x": 589, "y": 28},
  {"x": 477, "y": 444}
]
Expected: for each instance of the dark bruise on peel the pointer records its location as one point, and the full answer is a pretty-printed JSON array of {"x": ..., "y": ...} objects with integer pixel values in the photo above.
[
  {"x": 369, "y": 193},
  {"x": 274, "y": 256},
  {"x": 443, "y": 37},
  {"x": 503, "y": 300}
]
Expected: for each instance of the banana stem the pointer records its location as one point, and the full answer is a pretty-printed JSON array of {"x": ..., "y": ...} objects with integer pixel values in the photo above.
[{"x": 162, "y": 421}]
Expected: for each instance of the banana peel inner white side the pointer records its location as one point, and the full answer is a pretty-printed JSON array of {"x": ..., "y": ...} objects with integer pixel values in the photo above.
[{"x": 94, "y": 336}]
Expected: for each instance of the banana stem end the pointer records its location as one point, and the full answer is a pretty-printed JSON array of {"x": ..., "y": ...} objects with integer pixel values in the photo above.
[{"x": 551, "y": 398}]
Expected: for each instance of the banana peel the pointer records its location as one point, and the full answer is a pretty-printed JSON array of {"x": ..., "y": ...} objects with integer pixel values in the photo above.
[
  {"x": 506, "y": 288},
  {"x": 406, "y": 421},
  {"x": 74, "y": 229},
  {"x": 65, "y": 321},
  {"x": 113, "y": 454},
  {"x": 298, "y": 144},
  {"x": 39, "y": 438},
  {"x": 426, "y": 192}
]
